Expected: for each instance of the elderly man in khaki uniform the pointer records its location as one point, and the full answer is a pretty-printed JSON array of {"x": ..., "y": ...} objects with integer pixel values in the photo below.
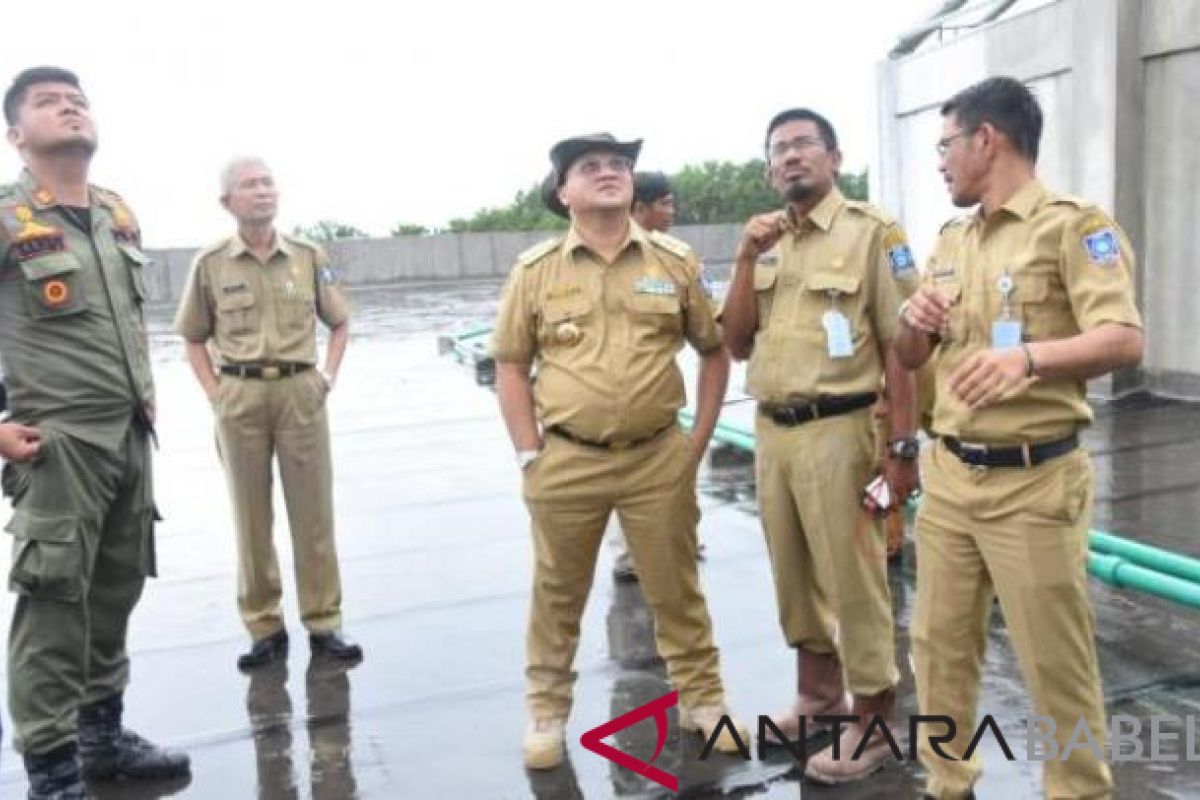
[
  {"x": 255, "y": 298},
  {"x": 1021, "y": 303},
  {"x": 816, "y": 322},
  {"x": 77, "y": 446},
  {"x": 600, "y": 315}
]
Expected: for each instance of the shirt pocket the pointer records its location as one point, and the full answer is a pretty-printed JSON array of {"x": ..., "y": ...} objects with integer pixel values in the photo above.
[
  {"x": 655, "y": 315},
  {"x": 54, "y": 286},
  {"x": 830, "y": 291},
  {"x": 297, "y": 311},
  {"x": 237, "y": 313},
  {"x": 765, "y": 277},
  {"x": 1045, "y": 309},
  {"x": 566, "y": 322}
]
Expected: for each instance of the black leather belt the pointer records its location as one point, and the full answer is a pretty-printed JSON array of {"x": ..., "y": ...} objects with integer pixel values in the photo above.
[
  {"x": 562, "y": 432},
  {"x": 1026, "y": 455},
  {"x": 793, "y": 415},
  {"x": 264, "y": 372}
]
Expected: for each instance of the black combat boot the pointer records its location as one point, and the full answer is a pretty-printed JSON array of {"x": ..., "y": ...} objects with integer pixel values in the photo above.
[
  {"x": 110, "y": 751},
  {"x": 55, "y": 775}
]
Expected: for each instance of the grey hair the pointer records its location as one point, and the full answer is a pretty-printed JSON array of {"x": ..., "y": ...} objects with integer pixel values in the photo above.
[{"x": 234, "y": 166}]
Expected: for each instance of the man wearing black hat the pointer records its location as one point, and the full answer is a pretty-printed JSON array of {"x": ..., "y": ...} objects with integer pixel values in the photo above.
[{"x": 601, "y": 313}]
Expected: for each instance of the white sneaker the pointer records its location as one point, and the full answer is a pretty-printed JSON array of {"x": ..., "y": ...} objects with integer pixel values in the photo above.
[
  {"x": 545, "y": 743},
  {"x": 704, "y": 720}
]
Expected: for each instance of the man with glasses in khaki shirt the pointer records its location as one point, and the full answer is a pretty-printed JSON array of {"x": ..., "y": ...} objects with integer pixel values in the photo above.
[{"x": 817, "y": 322}]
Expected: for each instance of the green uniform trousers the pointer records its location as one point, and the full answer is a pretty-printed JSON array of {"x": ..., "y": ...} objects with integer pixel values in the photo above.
[{"x": 83, "y": 545}]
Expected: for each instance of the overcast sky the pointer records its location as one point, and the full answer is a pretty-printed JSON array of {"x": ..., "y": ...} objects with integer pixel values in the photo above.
[{"x": 374, "y": 113}]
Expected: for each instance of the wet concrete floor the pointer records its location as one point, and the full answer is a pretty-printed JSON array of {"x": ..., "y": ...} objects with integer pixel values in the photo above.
[{"x": 436, "y": 573}]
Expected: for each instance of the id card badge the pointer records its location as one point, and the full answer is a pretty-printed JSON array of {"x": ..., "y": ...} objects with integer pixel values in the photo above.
[
  {"x": 837, "y": 334},
  {"x": 1006, "y": 334}
]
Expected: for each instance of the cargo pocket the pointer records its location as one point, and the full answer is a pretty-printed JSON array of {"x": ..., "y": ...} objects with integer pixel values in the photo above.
[
  {"x": 47, "y": 562},
  {"x": 137, "y": 261},
  {"x": 148, "y": 562},
  {"x": 53, "y": 286}
]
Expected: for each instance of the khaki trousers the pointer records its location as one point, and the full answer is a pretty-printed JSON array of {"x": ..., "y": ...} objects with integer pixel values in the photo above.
[
  {"x": 258, "y": 420},
  {"x": 1020, "y": 534},
  {"x": 828, "y": 554},
  {"x": 571, "y": 490}
]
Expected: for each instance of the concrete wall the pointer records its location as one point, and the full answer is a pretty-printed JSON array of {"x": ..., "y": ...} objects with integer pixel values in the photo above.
[
  {"x": 1117, "y": 80},
  {"x": 366, "y": 262}
]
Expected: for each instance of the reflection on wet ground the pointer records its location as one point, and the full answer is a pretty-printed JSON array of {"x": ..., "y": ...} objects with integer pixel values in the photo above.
[{"x": 436, "y": 572}]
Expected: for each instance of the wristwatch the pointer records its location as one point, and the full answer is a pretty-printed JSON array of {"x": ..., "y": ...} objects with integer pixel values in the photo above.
[
  {"x": 906, "y": 449},
  {"x": 527, "y": 457}
]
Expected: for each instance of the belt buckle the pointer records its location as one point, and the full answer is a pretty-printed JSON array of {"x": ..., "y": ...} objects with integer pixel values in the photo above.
[
  {"x": 788, "y": 415},
  {"x": 973, "y": 454},
  {"x": 271, "y": 373}
]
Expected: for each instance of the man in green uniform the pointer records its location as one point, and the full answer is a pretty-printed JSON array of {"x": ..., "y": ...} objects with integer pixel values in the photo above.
[
  {"x": 601, "y": 314},
  {"x": 816, "y": 318},
  {"x": 255, "y": 298},
  {"x": 77, "y": 447},
  {"x": 1022, "y": 302}
]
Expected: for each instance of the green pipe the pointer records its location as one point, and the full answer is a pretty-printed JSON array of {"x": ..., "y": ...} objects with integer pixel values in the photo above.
[
  {"x": 1152, "y": 558},
  {"x": 1118, "y": 572},
  {"x": 1112, "y": 559}
]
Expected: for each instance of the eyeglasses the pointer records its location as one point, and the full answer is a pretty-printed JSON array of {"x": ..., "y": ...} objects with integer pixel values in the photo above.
[
  {"x": 780, "y": 149},
  {"x": 592, "y": 165},
  {"x": 943, "y": 145}
]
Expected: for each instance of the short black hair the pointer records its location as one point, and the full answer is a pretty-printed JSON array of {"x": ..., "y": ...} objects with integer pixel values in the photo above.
[
  {"x": 794, "y": 114},
  {"x": 650, "y": 186},
  {"x": 30, "y": 77},
  {"x": 1005, "y": 103}
]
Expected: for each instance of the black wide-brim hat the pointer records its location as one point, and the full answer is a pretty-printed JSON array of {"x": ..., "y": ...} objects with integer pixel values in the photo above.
[{"x": 565, "y": 153}]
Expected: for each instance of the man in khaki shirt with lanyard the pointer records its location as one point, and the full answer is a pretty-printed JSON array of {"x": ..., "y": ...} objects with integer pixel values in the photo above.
[
  {"x": 1021, "y": 303},
  {"x": 601, "y": 314},
  {"x": 816, "y": 322},
  {"x": 256, "y": 297}
]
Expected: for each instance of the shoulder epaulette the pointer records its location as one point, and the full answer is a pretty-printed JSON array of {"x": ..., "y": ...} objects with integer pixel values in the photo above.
[
  {"x": 676, "y": 247},
  {"x": 538, "y": 251},
  {"x": 1069, "y": 200},
  {"x": 874, "y": 212},
  {"x": 953, "y": 222},
  {"x": 301, "y": 241},
  {"x": 208, "y": 250}
]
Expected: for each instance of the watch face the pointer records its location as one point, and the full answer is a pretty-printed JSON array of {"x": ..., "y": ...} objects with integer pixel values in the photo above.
[{"x": 906, "y": 448}]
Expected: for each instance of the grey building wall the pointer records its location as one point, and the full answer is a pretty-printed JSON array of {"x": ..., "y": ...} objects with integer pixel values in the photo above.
[
  {"x": 1117, "y": 80},
  {"x": 366, "y": 262}
]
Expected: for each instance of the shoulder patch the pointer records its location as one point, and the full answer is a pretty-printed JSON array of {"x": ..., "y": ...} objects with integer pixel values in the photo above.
[
  {"x": 669, "y": 243},
  {"x": 899, "y": 254},
  {"x": 538, "y": 251},
  {"x": 1102, "y": 246}
]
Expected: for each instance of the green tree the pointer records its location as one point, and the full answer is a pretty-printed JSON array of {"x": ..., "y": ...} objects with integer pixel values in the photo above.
[
  {"x": 525, "y": 213},
  {"x": 712, "y": 192},
  {"x": 328, "y": 230},
  {"x": 409, "y": 229}
]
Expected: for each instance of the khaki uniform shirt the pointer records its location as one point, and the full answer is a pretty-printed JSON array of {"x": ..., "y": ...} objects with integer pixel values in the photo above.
[
  {"x": 603, "y": 337},
  {"x": 261, "y": 313},
  {"x": 846, "y": 257},
  {"x": 72, "y": 337},
  {"x": 1070, "y": 268}
]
